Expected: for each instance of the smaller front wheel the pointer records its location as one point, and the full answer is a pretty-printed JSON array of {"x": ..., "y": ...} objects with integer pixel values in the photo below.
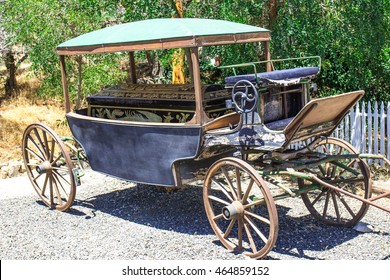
[
  {"x": 327, "y": 205},
  {"x": 240, "y": 208},
  {"x": 49, "y": 166}
]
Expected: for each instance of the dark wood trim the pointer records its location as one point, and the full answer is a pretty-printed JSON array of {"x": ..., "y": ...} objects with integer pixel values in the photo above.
[
  {"x": 119, "y": 122},
  {"x": 267, "y": 53},
  {"x": 197, "y": 86},
  {"x": 167, "y": 43},
  {"x": 64, "y": 83},
  {"x": 189, "y": 63},
  {"x": 133, "y": 75}
]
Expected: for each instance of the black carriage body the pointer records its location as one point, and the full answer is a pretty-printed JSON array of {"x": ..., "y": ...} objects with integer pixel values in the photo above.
[
  {"x": 141, "y": 133},
  {"x": 137, "y": 152}
]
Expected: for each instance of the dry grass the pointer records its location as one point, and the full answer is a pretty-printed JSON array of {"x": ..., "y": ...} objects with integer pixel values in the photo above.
[{"x": 18, "y": 112}]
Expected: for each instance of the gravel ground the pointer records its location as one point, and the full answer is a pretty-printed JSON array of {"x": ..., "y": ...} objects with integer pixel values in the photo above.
[{"x": 113, "y": 219}]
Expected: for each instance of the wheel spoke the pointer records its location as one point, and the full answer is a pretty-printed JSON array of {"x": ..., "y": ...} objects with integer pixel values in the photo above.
[
  {"x": 44, "y": 185},
  {"x": 61, "y": 169},
  {"x": 318, "y": 197},
  {"x": 256, "y": 229},
  {"x": 36, "y": 178},
  {"x": 327, "y": 168},
  {"x": 326, "y": 204},
  {"x": 51, "y": 191},
  {"x": 40, "y": 141},
  {"x": 34, "y": 154},
  {"x": 248, "y": 190},
  {"x": 222, "y": 188},
  {"x": 46, "y": 144},
  {"x": 216, "y": 218},
  {"x": 336, "y": 207},
  {"x": 251, "y": 241},
  {"x": 254, "y": 203},
  {"x": 240, "y": 226},
  {"x": 238, "y": 178},
  {"x": 346, "y": 205},
  {"x": 322, "y": 169},
  {"x": 58, "y": 192},
  {"x": 230, "y": 227},
  {"x": 218, "y": 200},
  {"x": 225, "y": 173},
  {"x": 57, "y": 159},
  {"x": 62, "y": 177},
  {"x": 36, "y": 146},
  {"x": 334, "y": 169},
  {"x": 59, "y": 182},
  {"x": 52, "y": 149},
  {"x": 262, "y": 219}
]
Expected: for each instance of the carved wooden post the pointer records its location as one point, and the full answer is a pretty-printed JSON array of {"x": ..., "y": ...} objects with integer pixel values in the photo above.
[
  {"x": 132, "y": 73},
  {"x": 267, "y": 56},
  {"x": 199, "y": 115},
  {"x": 64, "y": 84}
]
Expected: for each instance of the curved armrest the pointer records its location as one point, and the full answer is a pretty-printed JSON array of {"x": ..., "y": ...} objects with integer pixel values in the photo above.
[{"x": 223, "y": 122}]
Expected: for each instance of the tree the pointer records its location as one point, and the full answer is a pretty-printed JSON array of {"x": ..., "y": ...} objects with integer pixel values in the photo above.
[
  {"x": 352, "y": 37},
  {"x": 12, "y": 58},
  {"x": 39, "y": 26}
]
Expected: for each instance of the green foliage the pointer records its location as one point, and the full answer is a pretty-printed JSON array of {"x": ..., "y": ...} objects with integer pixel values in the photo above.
[
  {"x": 41, "y": 25},
  {"x": 352, "y": 37}
]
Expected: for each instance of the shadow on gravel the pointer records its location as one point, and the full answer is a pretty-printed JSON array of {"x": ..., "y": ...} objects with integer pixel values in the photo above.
[
  {"x": 305, "y": 233},
  {"x": 182, "y": 211}
]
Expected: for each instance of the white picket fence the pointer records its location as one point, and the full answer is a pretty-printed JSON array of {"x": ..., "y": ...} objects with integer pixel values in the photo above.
[{"x": 367, "y": 128}]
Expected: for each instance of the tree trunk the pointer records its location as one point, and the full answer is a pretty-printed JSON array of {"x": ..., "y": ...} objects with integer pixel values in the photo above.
[
  {"x": 178, "y": 58},
  {"x": 10, "y": 83},
  {"x": 273, "y": 6}
]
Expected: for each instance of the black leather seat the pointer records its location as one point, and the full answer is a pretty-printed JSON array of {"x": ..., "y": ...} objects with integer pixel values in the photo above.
[{"x": 295, "y": 73}]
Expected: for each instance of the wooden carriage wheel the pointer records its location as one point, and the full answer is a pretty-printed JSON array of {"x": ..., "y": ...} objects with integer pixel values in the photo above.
[
  {"x": 330, "y": 206},
  {"x": 49, "y": 166},
  {"x": 240, "y": 207}
]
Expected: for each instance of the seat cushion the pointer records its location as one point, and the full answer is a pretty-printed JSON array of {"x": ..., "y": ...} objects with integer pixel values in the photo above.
[{"x": 286, "y": 74}]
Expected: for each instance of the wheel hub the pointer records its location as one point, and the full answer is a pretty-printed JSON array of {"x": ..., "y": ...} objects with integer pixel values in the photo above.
[
  {"x": 233, "y": 210},
  {"x": 44, "y": 167}
]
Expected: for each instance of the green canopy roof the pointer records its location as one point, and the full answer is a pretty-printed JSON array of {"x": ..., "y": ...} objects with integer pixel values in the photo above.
[{"x": 163, "y": 33}]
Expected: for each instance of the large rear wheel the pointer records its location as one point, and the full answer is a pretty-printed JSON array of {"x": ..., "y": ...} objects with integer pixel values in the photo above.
[{"x": 49, "y": 166}]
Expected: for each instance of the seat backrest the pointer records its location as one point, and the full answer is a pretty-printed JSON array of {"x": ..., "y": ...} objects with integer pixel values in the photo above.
[{"x": 321, "y": 116}]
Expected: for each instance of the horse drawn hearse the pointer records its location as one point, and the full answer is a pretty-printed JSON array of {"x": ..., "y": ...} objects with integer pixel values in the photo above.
[{"x": 236, "y": 137}]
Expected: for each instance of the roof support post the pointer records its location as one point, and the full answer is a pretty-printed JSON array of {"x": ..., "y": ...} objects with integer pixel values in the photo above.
[
  {"x": 64, "y": 84},
  {"x": 189, "y": 63},
  {"x": 199, "y": 113},
  {"x": 267, "y": 56},
  {"x": 132, "y": 74}
]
